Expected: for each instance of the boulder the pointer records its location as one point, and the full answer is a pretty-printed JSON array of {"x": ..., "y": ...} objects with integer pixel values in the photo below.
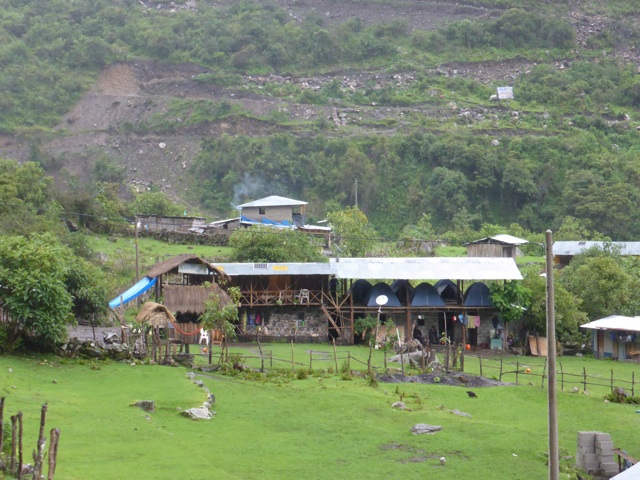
[
  {"x": 422, "y": 428},
  {"x": 146, "y": 405}
]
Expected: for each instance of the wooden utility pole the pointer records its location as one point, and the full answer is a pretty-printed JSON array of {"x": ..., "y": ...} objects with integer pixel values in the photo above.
[
  {"x": 554, "y": 467},
  {"x": 137, "y": 254}
]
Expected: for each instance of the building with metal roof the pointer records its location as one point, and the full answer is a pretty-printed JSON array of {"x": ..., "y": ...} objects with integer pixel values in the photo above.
[
  {"x": 497, "y": 246},
  {"x": 564, "y": 251},
  {"x": 615, "y": 336}
]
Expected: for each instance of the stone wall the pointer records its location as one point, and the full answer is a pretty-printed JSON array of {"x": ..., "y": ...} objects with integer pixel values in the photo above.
[{"x": 303, "y": 321}]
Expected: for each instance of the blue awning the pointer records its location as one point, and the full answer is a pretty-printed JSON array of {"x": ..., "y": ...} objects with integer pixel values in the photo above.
[{"x": 138, "y": 289}]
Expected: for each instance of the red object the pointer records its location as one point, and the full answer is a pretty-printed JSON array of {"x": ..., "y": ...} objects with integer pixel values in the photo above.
[{"x": 467, "y": 347}]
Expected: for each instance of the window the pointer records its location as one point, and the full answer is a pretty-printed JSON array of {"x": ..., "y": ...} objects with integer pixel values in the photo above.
[{"x": 261, "y": 211}]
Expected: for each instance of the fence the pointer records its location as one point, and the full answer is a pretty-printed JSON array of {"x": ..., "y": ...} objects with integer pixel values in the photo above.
[
  {"x": 510, "y": 370},
  {"x": 16, "y": 466}
]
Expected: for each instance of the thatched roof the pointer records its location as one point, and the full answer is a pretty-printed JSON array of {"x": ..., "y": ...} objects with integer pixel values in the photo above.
[
  {"x": 191, "y": 298},
  {"x": 174, "y": 262},
  {"x": 156, "y": 314}
]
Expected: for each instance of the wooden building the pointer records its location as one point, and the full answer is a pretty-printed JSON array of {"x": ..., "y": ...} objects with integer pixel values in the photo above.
[
  {"x": 157, "y": 223},
  {"x": 496, "y": 246}
]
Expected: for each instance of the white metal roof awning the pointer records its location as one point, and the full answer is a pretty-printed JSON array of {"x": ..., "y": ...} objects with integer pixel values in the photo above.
[{"x": 615, "y": 322}]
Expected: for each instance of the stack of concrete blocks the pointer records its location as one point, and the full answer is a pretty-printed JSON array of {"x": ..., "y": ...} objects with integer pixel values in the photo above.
[{"x": 595, "y": 453}]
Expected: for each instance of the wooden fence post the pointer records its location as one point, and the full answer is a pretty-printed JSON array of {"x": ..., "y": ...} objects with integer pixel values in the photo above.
[
  {"x": 480, "y": 358},
  {"x": 293, "y": 368},
  {"x": 38, "y": 456},
  {"x": 14, "y": 443},
  {"x": 402, "y": 360},
  {"x": 633, "y": 383},
  {"x": 53, "y": 452},
  {"x": 611, "y": 383},
  {"x": 544, "y": 371},
  {"x": 500, "y": 377},
  {"x": 310, "y": 360},
  {"x": 20, "y": 458},
  {"x": 271, "y": 358},
  {"x": 561, "y": 378},
  {"x": 261, "y": 356},
  {"x": 335, "y": 354},
  {"x": 517, "y": 371},
  {"x": 1, "y": 423},
  {"x": 584, "y": 378},
  {"x": 349, "y": 361}
]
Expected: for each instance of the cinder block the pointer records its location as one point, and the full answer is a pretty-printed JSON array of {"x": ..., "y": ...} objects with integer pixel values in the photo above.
[
  {"x": 591, "y": 457},
  {"x": 604, "y": 445},
  {"x": 586, "y": 449},
  {"x": 607, "y": 459},
  {"x": 592, "y": 466},
  {"x": 603, "y": 436}
]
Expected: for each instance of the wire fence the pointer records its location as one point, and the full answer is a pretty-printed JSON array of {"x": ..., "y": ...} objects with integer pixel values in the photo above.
[{"x": 521, "y": 372}]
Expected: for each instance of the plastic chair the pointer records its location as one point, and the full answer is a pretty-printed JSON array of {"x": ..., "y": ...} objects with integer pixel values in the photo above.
[
  {"x": 303, "y": 296},
  {"x": 204, "y": 335}
]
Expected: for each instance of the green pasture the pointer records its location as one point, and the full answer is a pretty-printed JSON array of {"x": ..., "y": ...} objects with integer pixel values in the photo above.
[
  {"x": 283, "y": 425},
  {"x": 150, "y": 250}
]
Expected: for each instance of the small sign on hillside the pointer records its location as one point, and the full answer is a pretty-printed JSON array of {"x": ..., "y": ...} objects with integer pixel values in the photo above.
[{"x": 505, "y": 93}]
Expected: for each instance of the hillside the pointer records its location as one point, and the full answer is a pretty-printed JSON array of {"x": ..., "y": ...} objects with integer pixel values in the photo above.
[{"x": 140, "y": 114}]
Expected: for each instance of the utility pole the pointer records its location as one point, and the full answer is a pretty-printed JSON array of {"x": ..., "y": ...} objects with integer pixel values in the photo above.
[{"x": 554, "y": 467}]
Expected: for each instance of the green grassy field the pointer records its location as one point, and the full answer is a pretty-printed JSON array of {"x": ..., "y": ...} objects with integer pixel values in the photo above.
[{"x": 323, "y": 426}]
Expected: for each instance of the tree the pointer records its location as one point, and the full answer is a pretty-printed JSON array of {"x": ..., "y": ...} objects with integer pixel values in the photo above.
[
  {"x": 262, "y": 244},
  {"x": 511, "y": 300},
  {"x": 220, "y": 314},
  {"x": 154, "y": 203},
  {"x": 42, "y": 283},
  {"x": 351, "y": 231}
]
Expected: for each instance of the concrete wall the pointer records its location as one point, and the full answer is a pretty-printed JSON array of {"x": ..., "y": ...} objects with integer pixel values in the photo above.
[{"x": 278, "y": 214}]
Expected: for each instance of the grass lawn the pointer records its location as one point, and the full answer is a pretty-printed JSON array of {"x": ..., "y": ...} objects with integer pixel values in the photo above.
[{"x": 323, "y": 426}]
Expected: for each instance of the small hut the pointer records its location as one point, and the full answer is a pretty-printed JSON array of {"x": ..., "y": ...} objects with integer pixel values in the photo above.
[{"x": 158, "y": 317}]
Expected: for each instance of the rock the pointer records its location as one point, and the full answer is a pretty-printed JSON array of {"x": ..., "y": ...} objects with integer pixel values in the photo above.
[
  {"x": 422, "y": 428},
  {"x": 459, "y": 413},
  {"x": 399, "y": 405},
  {"x": 199, "y": 413},
  {"x": 110, "y": 338},
  {"x": 495, "y": 143},
  {"x": 146, "y": 405}
]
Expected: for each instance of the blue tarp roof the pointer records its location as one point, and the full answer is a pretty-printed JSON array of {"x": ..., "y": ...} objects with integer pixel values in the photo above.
[
  {"x": 138, "y": 289},
  {"x": 477, "y": 295},
  {"x": 426, "y": 295},
  {"x": 383, "y": 289},
  {"x": 265, "y": 221}
]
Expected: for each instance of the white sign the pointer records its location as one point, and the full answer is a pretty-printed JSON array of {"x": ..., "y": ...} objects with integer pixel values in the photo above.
[
  {"x": 505, "y": 92},
  {"x": 193, "y": 269}
]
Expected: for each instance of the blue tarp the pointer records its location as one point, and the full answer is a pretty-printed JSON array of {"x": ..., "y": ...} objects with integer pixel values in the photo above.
[
  {"x": 426, "y": 295},
  {"x": 138, "y": 289},
  {"x": 265, "y": 221},
  {"x": 383, "y": 289},
  {"x": 477, "y": 295},
  {"x": 447, "y": 289}
]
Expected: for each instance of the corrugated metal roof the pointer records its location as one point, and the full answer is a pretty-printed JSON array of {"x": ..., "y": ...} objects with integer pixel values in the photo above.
[
  {"x": 615, "y": 322},
  {"x": 631, "y": 473},
  {"x": 574, "y": 248},
  {"x": 502, "y": 238},
  {"x": 273, "y": 201},
  {"x": 431, "y": 268},
  {"x": 235, "y": 269},
  {"x": 428, "y": 268}
]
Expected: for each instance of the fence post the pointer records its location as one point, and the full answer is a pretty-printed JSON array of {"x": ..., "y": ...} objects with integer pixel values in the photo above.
[
  {"x": 517, "y": 371},
  {"x": 633, "y": 383},
  {"x": 385, "y": 361},
  {"x": 561, "y": 378},
  {"x": 14, "y": 443},
  {"x": 584, "y": 378},
  {"x": 310, "y": 360},
  {"x": 261, "y": 357},
  {"x": 544, "y": 371},
  {"x": 612, "y": 379},
  {"x": 402, "y": 360},
  {"x": 271, "y": 358},
  {"x": 349, "y": 361},
  {"x": 335, "y": 354},
  {"x": 480, "y": 358},
  {"x": 20, "y": 430},
  {"x": 39, "y": 454},
  {"x": 1, "y": 422},
  {"x": 500, "y": 377},
  {"x": 53, "y": 452},
  {"x": 293, "y": 368}
]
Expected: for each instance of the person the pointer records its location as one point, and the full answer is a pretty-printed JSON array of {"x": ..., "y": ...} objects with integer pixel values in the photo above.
[
  {"x": 333, "y": 287},
  {"x": 433, "y": 335},
  {"x": 417, "y": 335}
]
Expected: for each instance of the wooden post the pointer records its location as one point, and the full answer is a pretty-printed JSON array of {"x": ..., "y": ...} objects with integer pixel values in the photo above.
[
  {"x": 349, "y": 361},
  {"x": 38, "y": 456},
  {"x": 335, "y": 354},
  {"x": 293, "y": 368},
  {"x": 20, "y": 431},
  {"x": 385, "y": 362},
  {"x": 402, "y": 360},
  {"x": 14, "y": 443},
  {"x": 554, "y": 450},
  {"x": 271, "y": 358},
  {"x": 369, "y": 359},
  {"x": 561, "y": 378},
  {"x": 424, "y": 368},
  {"x": 611, "y": 382},
  {"x": 310, "y": 360},
  {"x": 544, "y": 370},
  {"x": 464, "y": 344},
  {"x": 584, "y": 378},
  {"x": 633, "y": 383},
  {"x": 500, "y": 377},
  {"x": 1, "y": 423},
  {"x": 517, "y": 371},
  {"x": 261, "y": 358},
  {"x": 53, "y": 452},
  {"x": 480, "y": 358}
]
